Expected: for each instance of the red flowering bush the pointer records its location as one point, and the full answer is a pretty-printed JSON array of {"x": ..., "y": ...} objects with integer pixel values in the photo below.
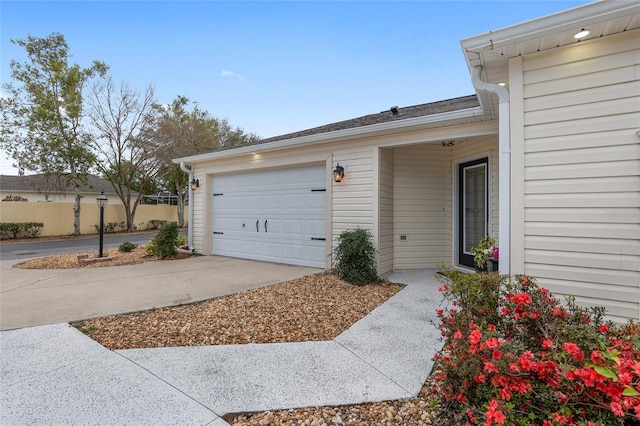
[{"x": 514, "y": 355}]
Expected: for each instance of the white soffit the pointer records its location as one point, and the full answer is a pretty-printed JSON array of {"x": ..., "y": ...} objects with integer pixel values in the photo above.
[{"x": 493, "y": 49}]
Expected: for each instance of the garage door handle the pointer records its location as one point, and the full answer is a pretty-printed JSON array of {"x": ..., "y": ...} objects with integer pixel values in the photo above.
[
  {"x": 265, "y": 226},
  {"x": 258, "y": 225},
  {"x": 318, "y": 239}
]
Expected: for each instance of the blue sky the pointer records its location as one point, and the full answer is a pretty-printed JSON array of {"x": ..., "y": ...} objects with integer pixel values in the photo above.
[{"x": 273, "y": 67}]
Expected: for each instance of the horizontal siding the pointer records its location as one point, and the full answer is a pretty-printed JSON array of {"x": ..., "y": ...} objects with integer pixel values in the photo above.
[
  {"x": 610, "y": 137},
  {"x": 352, "y": 199},
  {"x": 422, "y": 207},
  {"x": 385, "y": 230},
  {"x": 587, "y": 96},
  {"x": 582, "y": 172},
  {"x": 589, "y": 245},
  {"x": 605, "y": 230}
]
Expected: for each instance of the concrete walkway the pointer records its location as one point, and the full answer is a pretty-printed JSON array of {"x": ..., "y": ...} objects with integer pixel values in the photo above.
[{"x": 57, "y": 376}]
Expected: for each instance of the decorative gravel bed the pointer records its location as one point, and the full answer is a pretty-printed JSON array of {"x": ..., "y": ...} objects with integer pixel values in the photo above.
[
  {"x": 313, "y": 308},
  {"x": 70, "y": 261}
]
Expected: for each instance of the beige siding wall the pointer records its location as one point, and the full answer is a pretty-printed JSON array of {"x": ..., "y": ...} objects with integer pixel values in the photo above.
[
  {"x": 422, "y": 200},
  {"x": 353, "y": 198},
  {"x": 582, "y": 172},
  {"x": 385, "y": 226}
]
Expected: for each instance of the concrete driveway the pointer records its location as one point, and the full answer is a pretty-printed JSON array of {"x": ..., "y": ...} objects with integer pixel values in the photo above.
[{"x": 38, "y": 297}]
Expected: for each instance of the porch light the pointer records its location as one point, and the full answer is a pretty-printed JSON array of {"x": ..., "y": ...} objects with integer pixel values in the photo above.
[
  {"x": 195, "y": 184},
  {"x": 338, "y": 173},
  {"x": 581, "y": 34}
]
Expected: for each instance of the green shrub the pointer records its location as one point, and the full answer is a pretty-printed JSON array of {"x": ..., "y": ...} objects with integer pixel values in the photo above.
[
  {"x": 182, "y": 240},
  {"x": 156, "y": 223},
  {"x": 354, "y": 257},
  {"x": 13, "y": 230},
  {"x": 111, "y": 227},
  {"x": 166, "y": 241},
  {"x": 33, "y": 229},
  {"x": 151, "y": 247},
  {"x": 515, "y": 355},
  {"x": 126, "y": 247}
]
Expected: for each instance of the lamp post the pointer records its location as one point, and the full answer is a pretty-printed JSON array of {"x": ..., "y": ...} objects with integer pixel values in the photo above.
[{"x": 102, "y": 203}]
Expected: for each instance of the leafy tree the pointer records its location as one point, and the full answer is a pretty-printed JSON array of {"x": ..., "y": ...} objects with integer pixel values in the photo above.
[
  {"x": 41, "y": 124},
  {"x": 185, "y": 132},
  {"x": 123, "y": 121}
]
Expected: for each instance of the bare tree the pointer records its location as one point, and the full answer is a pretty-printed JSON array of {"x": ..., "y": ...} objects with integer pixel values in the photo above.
[
  {"x": 124, "y": 140},
  {"x": 184, "y": 132}
]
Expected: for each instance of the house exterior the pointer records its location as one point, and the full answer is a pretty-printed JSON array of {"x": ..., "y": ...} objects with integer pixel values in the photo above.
[
  {"x": 44, "y": 188},
  {"x": 548, "y": 163}
]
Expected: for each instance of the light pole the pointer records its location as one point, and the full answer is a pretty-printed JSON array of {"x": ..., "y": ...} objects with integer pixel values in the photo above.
[{"x": 102, "y": 203}]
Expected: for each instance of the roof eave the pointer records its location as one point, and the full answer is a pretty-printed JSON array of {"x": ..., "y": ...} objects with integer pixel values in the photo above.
[
  {"x": 345, "y": 134},
  {"x": 482, "y": 49},
  {"x": 558, "y": 22}
]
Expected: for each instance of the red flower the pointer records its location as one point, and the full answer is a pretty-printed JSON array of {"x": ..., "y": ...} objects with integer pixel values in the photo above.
[
  {"x": 573, "y": 350},
  {"x": 489, "y": 367},
  {"x": 547, "y": 344},
  {"x": 603, "y": 328},
  {"x": 560, "y": 418},
  {"x": 457, "y": 335},
  {"x": 493, "y": 415},
  {"x": 521, "y": 299},
  {"x": 597, "y": 357},
  {"x": 525, "y": 361},
  {"x": 479, "y": 378},
  {"x": 616, "y": 409},
  {"x": 475, "y": 336},
  {"x": 505, "y": 394},
  {"x": 493, "y": 343},
  {"x": 559, "y": 312}
]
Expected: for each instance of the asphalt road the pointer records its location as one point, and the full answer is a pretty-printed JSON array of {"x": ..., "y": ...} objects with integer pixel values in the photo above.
[{"x": 27, "y": 250}]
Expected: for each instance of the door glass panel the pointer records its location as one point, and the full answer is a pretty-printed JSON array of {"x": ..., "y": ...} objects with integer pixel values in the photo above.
[{"x": 475, "y": 205}]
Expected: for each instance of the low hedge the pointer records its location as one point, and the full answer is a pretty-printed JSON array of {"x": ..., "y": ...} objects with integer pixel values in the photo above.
[{"x": 12, "y": 230}]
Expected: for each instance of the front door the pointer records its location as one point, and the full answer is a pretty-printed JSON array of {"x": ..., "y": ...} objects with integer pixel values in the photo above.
[{"x": 473, "y": 207}]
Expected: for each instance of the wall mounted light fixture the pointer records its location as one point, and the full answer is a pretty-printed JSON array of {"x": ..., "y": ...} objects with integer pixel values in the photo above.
[
  {"x": 338, "y": 173},
  {"x": 195, "y": 184}
]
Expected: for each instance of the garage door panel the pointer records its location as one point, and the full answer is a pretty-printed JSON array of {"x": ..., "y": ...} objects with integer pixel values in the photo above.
[
  {"x": 290, "y": 201},
  {"x": 272, "y": 202},
  {"x": 273, "y": 250},
  {"x": 314, "y": 227},
  {"x": 292, "y": 226},
  {"x": 316, "y": 201},
  {"x": 315, "y": 252}
]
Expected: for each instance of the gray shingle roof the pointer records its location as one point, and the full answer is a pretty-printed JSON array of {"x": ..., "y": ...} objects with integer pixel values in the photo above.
[
  {"x": 52, "y": 184},
  {"x": 400, "y": 113}
]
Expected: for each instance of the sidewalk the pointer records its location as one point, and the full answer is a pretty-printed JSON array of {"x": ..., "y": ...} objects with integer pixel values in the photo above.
[{"x": 55, "y": 375}]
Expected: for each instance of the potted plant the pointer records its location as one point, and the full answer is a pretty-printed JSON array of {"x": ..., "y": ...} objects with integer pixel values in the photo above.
[{"x": 485, "y": 255}]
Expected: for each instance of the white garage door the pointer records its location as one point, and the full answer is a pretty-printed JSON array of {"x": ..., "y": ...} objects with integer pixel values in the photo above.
[{"x": 273, "y": 215}]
